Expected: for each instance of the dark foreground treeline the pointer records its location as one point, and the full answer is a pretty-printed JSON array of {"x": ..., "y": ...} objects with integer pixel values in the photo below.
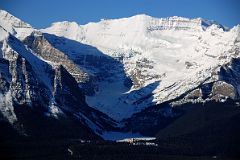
[{"x": 175, "y": 149}]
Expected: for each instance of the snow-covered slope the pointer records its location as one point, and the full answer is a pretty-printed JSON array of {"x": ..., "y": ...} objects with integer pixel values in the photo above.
[{"x": 164, "y": 57}]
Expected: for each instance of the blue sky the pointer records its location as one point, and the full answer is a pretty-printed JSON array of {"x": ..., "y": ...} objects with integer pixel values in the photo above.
[{"x": 41, "y": 13}]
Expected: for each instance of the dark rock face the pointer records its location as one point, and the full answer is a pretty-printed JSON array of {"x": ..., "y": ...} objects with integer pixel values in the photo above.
[
  {"x": 66, "y": 88},
  {"x": 206, "y": 90},
  {"x": 151, "y": 120},
  {"x": 4, "y": 73}
]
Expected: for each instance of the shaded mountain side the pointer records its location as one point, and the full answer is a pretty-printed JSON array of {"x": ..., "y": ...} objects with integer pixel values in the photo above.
[
  {"x": 34, "y": 124},
  {"x": 7, "y": 131},
  {"x": 197, "y": 116},
  {"x": 212, "y": 129},
  {"x": 63, "y": 127},
  {"x": 149, "y": 121},
  {"x": 156, "y": 118}
]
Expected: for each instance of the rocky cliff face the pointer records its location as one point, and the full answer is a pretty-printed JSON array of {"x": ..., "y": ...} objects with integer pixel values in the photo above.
[
  {"x": 39, "y": 44},
  {"x": 180, "y": 23}
]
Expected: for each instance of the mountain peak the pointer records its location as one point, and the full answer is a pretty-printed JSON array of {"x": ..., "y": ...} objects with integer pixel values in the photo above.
[
  {"x": 65, "y": 23},
  {"x": 14, "y": 25},
  {"x": 10, "y": 19},
  {"x": 141, "y": 16}
]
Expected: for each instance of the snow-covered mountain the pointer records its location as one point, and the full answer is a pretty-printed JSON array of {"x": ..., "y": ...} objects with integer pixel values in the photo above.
[
  {"x": 122, "y": 68},
  {"x": 164, "y": 57}
]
